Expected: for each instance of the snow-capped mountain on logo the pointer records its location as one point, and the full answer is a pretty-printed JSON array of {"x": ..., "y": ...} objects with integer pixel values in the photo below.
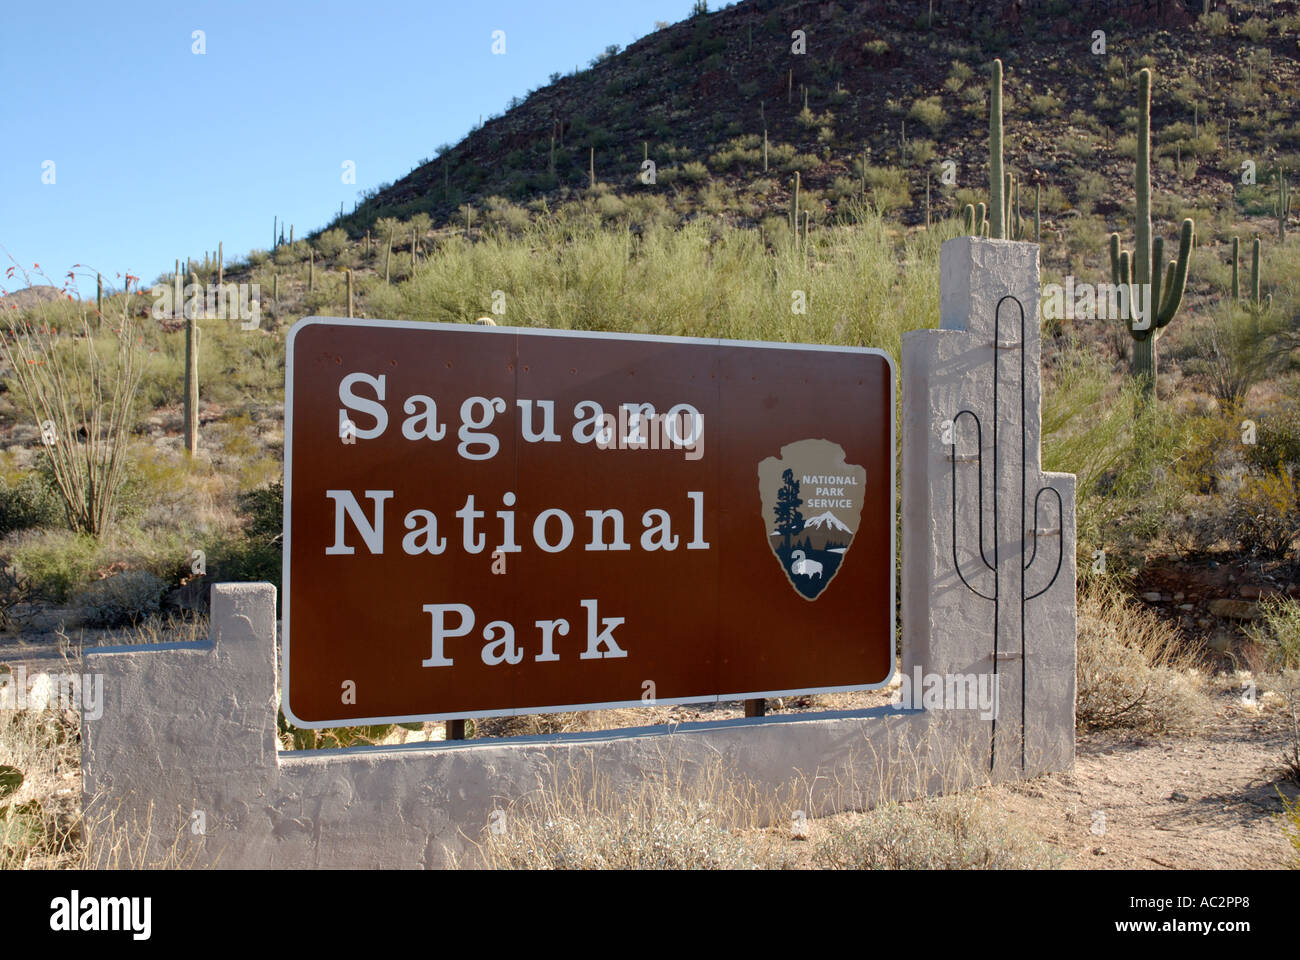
[{"x": 827, "y": 520}]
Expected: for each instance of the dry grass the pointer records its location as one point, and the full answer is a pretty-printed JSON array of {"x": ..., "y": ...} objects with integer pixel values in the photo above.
[
  {"x": 1134, "y": 671},
  {"x": 950, "y": 833},
  {"x": 706, "y": 815},
  {"x": 672, "y": 820},
  {"x": 40, "y": 823}
]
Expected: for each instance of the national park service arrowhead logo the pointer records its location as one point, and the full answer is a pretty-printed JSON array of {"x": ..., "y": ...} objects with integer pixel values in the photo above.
[{"x": 812, "y": 502}]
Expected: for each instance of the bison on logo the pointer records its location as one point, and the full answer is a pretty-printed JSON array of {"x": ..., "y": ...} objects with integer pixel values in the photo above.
[{"x": 812, "y": 502}]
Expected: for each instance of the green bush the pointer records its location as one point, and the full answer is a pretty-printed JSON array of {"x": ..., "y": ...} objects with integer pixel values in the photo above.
[
  {"x": 1278, "y": 632},
  {"x": 1277, "y": 440},
  {"x": 331, "y": 242},
  {"x": 929, "y": 112},
  {"x": 1265, "y": 517},
  {"x": 121, "y": 600},
  {"x": 56, "y": 564},
  {"x": 28, "y": 502}
]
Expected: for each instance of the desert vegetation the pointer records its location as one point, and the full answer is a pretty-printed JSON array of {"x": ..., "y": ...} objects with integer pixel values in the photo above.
[{"x": 141, "y": 450}]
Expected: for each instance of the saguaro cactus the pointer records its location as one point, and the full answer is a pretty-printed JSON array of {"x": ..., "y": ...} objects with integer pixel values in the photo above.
[
  {"x": 794, "y": 206},
  {"x": 1153, "y": 299},
  {"x": 997, "y": 186},
  {"x": 349, "y": 272},
  {"x": 1256, "y": 252},
  {"x": 191, "y": 378},
  {"x": 1282, "y": 203},
  {"x": 1236, "y": 257}
]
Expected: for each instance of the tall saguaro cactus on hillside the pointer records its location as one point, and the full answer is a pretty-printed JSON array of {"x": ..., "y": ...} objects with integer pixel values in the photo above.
[
  {"x": 1282, "y": 203},
  {"x": 997, "y": 187},
  {"x": 1153, "y": 298}
]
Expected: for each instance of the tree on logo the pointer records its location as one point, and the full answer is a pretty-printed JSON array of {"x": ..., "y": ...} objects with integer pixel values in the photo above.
[{"x": 789, "y": 520}]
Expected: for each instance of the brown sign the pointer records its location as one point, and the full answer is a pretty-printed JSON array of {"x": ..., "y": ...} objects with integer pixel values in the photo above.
[{"x": 482, "y": 521}]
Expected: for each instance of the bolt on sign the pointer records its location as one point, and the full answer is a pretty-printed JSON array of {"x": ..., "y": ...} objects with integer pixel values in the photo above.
[{"x": 483, "y": 521}]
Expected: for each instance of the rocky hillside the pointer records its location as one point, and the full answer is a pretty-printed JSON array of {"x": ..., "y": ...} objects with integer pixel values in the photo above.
[{"x": 882, "y": 96}]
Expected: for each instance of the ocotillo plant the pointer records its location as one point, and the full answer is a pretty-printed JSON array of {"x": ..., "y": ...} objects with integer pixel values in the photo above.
[
  {"x": 1153, "y": 299},
  {"x": 191, "y": 378},
  {"x": 1282, "y": 203},
  {"x": 592, "y": 167},
  {"x": 99, "y": 296},
  {"x": 349, "y": 272}
]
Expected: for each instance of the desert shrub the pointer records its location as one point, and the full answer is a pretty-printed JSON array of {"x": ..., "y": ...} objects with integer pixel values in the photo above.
[
  {"x": 1265, "y": 517},
  {"x": 802, "y": 162},
  {"x": 1044, "y": 105},
  {"x": 241, "y": 560},
  {"x": 28, "y": 502},
  {"x": 694, "y": 172},
  {"x": 1133, "y": 670},
  {"x": 887, "y": 188},
  {"x": 257, "y": 555},
  {"x": 264, "y": 510},
  {"x": 929, "y": 112},
  {"x": 1238, "y": 346},
  {"x": 1215, "y": 23},
  {"x": 1277, "y": 631},
  {"x": 1255, "y": 29},
  {"x": 1277, "y": 440},
  {"x": 55, "y": 563},
  {"x": 289, "y": 253},
  {"x": 949, "y": 833},
  {"x": 331, "y": 242},
  {"x": 120, "y": 600}
]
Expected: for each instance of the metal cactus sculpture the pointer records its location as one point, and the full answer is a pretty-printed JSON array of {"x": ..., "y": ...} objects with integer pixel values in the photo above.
[
  {"x": 988, "y": 549},
  {"x": 1154, "y": 296}
]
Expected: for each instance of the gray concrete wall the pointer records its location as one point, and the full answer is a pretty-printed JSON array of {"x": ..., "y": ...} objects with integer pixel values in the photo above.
[{"x": 188, "y": 733}]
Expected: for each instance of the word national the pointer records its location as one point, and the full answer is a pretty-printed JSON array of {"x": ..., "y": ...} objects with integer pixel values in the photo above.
[{"x": 553, "y": 530}]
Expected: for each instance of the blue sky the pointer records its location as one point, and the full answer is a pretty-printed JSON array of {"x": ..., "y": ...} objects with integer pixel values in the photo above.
[{"x": 160, "y": 152}]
